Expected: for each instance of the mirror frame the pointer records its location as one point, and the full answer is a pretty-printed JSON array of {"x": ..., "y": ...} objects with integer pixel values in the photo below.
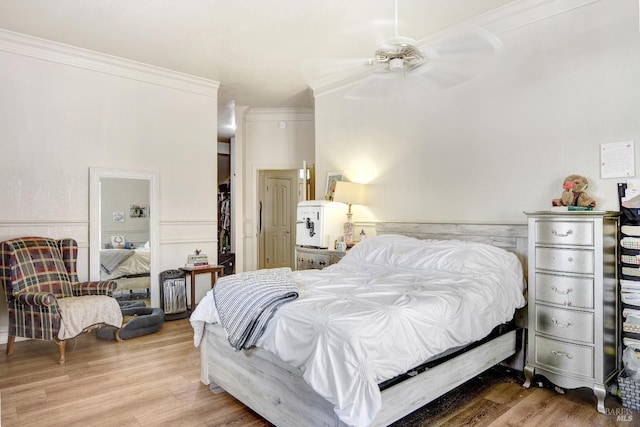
[{"x": 95, "y": 174}]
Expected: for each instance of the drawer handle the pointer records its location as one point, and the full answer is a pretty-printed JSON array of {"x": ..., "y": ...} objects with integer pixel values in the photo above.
[
  {"x": 567, "y": 234},
  {"x": 561, "y": 325},
  {"x": 562, "y": 354},
  {"x": 558, "y": 291}
]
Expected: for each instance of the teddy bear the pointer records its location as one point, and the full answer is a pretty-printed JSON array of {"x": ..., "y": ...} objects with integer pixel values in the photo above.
[{"x": 574, "y": 193}]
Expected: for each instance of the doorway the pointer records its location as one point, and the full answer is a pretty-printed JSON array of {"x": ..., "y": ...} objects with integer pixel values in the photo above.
[{"x": 277, "y": 201}]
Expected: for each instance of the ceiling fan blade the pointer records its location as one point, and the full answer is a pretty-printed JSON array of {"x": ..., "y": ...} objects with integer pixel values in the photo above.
[
  {"x": 443, "y": 76},
  {"x": 341, "y": 72},
  {"x": 458, "y": 56},
  {"x": 462, "y": 45}
]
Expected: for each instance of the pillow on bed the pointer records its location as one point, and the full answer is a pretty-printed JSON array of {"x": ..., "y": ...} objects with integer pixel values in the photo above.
[
  {"x": 443, "y": 255},
  {"x": 389, "y": 249}
]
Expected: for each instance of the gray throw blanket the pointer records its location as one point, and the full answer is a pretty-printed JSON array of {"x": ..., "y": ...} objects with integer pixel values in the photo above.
[{"x": 247, "y": 301}]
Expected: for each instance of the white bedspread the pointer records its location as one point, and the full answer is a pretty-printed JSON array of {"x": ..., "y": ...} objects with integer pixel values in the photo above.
[{"x": 391, "y": 303}]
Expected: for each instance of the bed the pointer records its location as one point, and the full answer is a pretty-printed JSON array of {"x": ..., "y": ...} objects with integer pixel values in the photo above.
[
  {"x": 128, "y": 267},
  {"x": 367, "y": 378}
]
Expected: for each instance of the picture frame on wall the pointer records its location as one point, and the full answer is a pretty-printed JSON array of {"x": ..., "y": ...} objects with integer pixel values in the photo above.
[
  {"x": 118, "y": 216},
  {"x": 330, "y": 188},
  {"x": 138, "y": 211}
]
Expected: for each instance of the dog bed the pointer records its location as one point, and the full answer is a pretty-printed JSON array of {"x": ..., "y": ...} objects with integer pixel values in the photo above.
[
  {"x": 142, "y": 321},
  {"x": 131, "y": 304}
]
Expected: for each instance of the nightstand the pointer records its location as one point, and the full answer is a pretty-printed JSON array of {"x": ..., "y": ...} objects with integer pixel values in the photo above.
[
  {"x": 573, "y": 335},
  {"x": 313, "y": 258},
  {"x": 215, "y": 271}
]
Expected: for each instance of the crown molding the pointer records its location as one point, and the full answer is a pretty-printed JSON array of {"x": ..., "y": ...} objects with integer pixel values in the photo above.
[
  {"x": 22, "y": 44},
  {"x": 525, "y": 12}
]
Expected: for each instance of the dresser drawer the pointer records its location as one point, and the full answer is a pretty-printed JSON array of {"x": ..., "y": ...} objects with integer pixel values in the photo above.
[
  {"x": 309, "y": 258},
  {"x": 564, "y": 290},
  {"x": 567, "y": 324},
  {"x": 323, "y": 260},
  {"x": 567, "y": 260},
  {"x": 564, "y": 357},
  {"x": 564, "y": 232},
  {"x": 313, "y": 261}
]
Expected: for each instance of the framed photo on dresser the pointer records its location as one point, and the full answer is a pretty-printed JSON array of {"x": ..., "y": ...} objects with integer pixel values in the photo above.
[{"x": 330, "y": 188}]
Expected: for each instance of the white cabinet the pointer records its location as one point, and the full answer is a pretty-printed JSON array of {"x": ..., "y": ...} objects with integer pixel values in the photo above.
[{"x": 573, "y": 337}]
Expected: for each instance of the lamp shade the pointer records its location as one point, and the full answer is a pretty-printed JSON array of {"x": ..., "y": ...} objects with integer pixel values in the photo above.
[{"x": 349, "y": 193}]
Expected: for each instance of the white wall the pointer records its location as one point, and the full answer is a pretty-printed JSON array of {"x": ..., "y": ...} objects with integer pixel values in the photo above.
[
  {"x": 63, "y": 110},
  {"x": 502, "y": 143},
  {"x": 270, "y": 139},
  {"x": 117, "y": 195}
]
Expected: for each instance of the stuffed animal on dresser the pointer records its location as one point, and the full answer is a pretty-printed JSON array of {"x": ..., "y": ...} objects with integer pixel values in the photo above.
[{"x": 574, "y": 193}]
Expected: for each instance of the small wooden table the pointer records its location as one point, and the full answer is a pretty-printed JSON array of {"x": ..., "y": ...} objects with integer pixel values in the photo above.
[{"x": 215, "y": 271}]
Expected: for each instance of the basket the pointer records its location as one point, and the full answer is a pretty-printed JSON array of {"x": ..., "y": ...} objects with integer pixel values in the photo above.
[{"x": 629, "y": 392}]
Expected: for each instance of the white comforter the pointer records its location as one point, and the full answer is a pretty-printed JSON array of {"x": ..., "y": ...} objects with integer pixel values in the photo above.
[{"x": 391, "y": 303}]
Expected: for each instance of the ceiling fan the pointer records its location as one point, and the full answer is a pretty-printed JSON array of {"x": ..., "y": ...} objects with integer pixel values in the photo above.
[{"x": 444, "y": 60}]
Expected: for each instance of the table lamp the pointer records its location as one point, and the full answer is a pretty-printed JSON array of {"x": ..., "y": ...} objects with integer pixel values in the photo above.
[{"x": 349, "y": 193}]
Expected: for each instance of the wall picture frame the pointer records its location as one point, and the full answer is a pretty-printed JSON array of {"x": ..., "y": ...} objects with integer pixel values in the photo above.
[
  {"x": 118, "y": 216},
  {"x": 330, "y": 188},
  {"x": 138, "y": 211}
]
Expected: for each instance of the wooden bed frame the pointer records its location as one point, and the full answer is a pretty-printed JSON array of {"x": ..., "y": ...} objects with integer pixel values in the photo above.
[{"x": 277, "y": 391}]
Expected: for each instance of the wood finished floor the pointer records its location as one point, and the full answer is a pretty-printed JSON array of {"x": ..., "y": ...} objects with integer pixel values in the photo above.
[{"x": 155, "y": 380}]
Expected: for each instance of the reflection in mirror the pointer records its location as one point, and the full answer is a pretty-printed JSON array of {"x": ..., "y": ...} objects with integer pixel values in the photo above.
[
  {"x": 124, "y": 231},
  {"x": 124, "y": 236}
]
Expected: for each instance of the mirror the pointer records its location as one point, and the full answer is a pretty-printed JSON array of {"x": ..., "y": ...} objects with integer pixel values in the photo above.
[{"x": 124, "y": 229}]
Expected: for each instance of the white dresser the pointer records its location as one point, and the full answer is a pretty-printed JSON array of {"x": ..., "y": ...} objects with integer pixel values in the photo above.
[
  {"x": 312, "y": 258},
  {"x": 573, "y": 335}
]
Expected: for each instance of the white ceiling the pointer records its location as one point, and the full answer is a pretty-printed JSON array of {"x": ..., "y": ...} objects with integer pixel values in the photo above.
[{"x": 255, "y": 49}]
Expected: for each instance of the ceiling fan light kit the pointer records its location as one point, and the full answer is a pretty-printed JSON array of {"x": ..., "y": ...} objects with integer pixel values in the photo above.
[
  {"x": 398, "y": 51},
  {"x": 396, "y": 64}
]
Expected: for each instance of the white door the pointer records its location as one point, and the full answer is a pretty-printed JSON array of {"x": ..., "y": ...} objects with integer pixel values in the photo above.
[{"x": 277, "y": 218}]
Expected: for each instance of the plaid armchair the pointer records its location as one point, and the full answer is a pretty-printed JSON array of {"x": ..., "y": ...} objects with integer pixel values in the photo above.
[{"x": 40, "y": 280}]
